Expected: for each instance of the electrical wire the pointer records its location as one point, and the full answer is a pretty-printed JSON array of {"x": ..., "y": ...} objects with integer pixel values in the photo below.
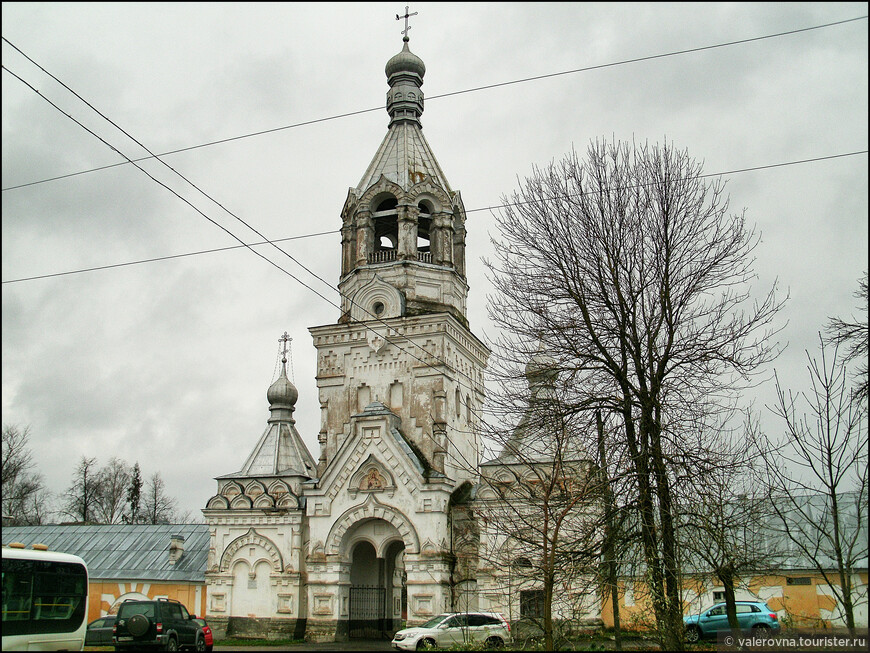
[
  {"x": 444, "y": 95},
  {"x": 384, "y": 335},
  {"x": 128, "y": 160},
  {"x": 493, "y": 207},
  {"x": 447, "y": 366}
]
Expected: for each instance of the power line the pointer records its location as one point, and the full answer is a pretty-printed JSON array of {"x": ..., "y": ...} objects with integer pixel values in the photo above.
[
  {"x": 447, "y": 368},
  {"x": 171, "y": 256},
  {"x": 385, "y": 335},
  {"x": 483, "y": 208},
  {"x": 443, "y": 95},
  {"x": 183, "y": 199},
  {"x": 140, "y": 144}
]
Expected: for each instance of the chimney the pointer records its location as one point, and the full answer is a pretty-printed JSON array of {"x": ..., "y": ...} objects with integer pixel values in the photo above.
[{"x": 176, "y": 548}]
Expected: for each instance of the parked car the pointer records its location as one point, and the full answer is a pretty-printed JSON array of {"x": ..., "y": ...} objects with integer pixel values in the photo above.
[
  {"x": 455, "y": 629},
  {"x": 753, "y": 616},
  {"x": 99, "y": 631},
  {"x": 164, "y": 623},
  {"x": 206, "y": 632}
]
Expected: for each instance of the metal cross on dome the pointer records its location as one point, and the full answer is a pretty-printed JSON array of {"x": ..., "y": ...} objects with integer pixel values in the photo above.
[
  {"x": 285, "y": 339},
  {"x": 406, "y": 17}
]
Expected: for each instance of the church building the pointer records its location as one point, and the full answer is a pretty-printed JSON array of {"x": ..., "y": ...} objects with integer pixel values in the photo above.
[{"x": 356, "y": 542}]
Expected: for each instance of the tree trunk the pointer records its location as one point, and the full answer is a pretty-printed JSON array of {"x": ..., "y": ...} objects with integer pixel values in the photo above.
[
  {"x": 610, "y": 562},
  {"x": 727, "y": 579},
  {"x": 845, "y": 580}
]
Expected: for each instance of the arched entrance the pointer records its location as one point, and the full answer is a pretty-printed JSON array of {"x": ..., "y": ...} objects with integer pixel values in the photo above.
[{"x": 375, "y": 597}]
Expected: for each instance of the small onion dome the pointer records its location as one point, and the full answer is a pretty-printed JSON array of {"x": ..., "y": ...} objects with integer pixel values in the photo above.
[
  {"x": 282, "y": 392},
  {"x": 405, "y": 61},
  {"x": 542, "y": 366}
]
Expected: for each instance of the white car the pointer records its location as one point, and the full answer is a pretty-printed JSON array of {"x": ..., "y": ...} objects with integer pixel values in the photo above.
[{"x": 455, "y": 628}]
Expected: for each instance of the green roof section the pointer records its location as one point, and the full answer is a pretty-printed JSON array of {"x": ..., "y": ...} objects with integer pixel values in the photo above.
[{"x": 124, "y": 551}]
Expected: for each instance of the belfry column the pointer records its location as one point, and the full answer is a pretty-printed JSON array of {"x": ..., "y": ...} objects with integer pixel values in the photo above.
[
  {"x": 442, "y": 242},
  {"x": 365, "y": 236},
  {"x": 407, "y": 232}
]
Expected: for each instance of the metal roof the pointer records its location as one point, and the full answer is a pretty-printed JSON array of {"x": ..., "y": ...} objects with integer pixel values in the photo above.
[{"x": 124, "y": 551}]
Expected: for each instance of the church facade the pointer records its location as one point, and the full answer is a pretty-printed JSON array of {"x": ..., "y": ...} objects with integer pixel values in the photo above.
[{"x": 356, "y": 542}]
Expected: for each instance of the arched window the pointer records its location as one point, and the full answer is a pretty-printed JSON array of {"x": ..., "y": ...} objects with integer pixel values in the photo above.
[{"x": 522, "y": 570}]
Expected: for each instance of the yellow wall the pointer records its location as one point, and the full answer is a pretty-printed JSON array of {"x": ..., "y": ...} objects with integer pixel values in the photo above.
[
  {"x": 797, "y": 605},
  {"x": 102, "y": 595}
]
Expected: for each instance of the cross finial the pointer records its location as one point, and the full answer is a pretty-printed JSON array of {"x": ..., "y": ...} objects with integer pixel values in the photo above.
[
  {"x": 407, "y": 27},
  {"x": 285, "y": 339}
]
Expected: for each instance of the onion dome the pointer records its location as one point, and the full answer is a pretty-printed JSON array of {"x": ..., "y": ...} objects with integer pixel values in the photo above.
[
  {"x": 405, "y": 62},
  {"x": 541, "y": 367},
  {"x": 405, "y": 76},
  {"x": 282, "y": 393}
]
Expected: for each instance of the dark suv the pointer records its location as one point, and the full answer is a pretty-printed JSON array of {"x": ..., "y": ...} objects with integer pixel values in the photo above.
[{"x": 164, "y": 624}]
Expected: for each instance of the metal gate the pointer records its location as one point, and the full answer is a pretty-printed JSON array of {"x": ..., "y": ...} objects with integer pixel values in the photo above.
[{"x": 367, "y": 612}]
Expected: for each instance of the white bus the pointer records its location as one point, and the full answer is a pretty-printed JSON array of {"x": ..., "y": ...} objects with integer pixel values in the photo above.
[{"x": 45, "y": 599}]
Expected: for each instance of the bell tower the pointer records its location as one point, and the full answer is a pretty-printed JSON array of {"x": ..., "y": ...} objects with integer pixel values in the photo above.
[
  {"x": 403, "y": 337},
  {"x": 403, "y": 225},
  {"x": 400, "y": 383}
]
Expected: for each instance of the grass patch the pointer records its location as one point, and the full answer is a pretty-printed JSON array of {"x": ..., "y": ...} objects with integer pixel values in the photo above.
[{"x": 255, "y": 642}]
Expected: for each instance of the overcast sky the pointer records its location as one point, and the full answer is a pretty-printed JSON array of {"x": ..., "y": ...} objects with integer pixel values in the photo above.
[{"x": 167, "y": 363}]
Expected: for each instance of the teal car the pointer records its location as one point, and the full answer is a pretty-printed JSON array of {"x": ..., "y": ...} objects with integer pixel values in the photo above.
[{"x": 753, "y": 616}]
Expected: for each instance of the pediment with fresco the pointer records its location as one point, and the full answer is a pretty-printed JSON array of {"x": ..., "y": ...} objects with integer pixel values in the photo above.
[{"x": 371, "y": 477}]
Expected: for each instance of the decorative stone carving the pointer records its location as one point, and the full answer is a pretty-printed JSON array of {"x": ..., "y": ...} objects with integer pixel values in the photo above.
[
  {"x": 251, "y": 538},
  {"x": 371, "y": 476}
]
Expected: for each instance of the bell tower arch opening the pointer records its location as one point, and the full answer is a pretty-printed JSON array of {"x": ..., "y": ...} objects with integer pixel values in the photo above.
[{"x": 386, "y": 223}]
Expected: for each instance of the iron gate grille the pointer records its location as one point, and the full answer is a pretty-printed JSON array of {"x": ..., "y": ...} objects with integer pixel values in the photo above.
[{"x": 367, "y": 612}]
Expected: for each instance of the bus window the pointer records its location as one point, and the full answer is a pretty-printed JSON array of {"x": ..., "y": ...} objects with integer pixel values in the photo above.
[{"x": 45, "y": 600}]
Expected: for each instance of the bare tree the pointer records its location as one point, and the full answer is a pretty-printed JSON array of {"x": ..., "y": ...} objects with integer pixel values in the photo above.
[
  {"x": 81, "y": 499},
  {"x": 634, "y": 275},
  {"x": 25, "y": 498},
  {"x": 158, "y": 507},
  {"x": 114, "y": 481},
  {"x": 540, "y": 510},
  {"x": 854, "y": 337},
  {"x": 817, "y": 474},
  {"x": 725, "y": 515}
]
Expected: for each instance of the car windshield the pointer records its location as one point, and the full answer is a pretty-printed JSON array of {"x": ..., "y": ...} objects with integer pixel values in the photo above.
[{"x": 434, "y": 621}]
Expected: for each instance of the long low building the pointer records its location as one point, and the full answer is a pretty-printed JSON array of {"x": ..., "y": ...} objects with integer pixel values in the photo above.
[{"x": 130, "y": 561}]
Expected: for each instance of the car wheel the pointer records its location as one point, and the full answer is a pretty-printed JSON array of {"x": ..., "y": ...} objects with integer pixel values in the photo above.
[
  {"x": 171, "y": 644},
  {"x": 425, "y": 644},
  {"x": 692, "y": 634},
  {"x": 200, "y": 643},
  {"x": 760, "y": 628},
  {"x": 138, "y": 625},
  {"x": 494, "y": 642}
]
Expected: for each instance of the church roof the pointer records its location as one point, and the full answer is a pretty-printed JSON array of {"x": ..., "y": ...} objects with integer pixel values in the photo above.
[
  {"x": 404, "y": 156},
  {"x": 280, "y": 451},
  {"x": 123, "y": 551},
  {"x": 404, "y": 153},
  {"x": 540, "y": 435},
  {"x": 417, "y": 459}
]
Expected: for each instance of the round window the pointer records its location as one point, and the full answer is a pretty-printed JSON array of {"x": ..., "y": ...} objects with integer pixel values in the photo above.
[{"x": 378, "y": 308}]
